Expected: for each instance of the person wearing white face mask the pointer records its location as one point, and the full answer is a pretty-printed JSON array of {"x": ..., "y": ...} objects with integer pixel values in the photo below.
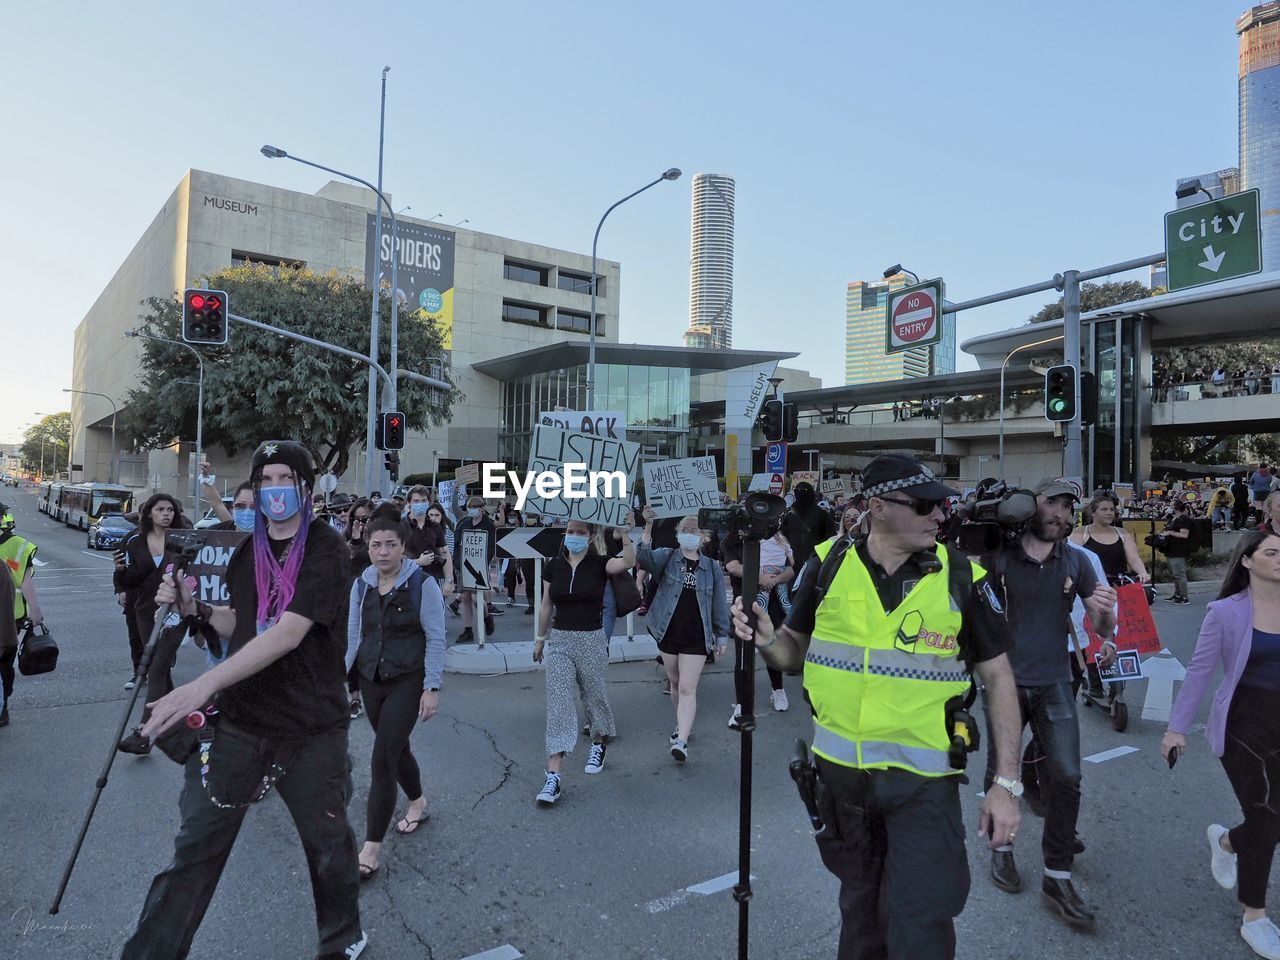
[
  {"x": 689, "y": 617},
  {"x": 572, "y": 611}
]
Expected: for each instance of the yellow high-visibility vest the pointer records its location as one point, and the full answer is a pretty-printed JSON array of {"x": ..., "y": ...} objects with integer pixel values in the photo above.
[
  {"x": 17, "y": 554},
  {"x": 879, "y": 682}
]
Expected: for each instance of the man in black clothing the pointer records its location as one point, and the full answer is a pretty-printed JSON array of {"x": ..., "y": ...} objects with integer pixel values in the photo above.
[
  {"x": 282, "y": 717},
  {"x": 1239, "y": 502},
  {"x": 806, "y": 524},
  {"x": 1177, "y": 549}
]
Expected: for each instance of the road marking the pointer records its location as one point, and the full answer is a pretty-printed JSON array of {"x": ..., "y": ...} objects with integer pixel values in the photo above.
[
  {"x": 1161, "y": 673},
  {"x": 96, "y": 556},
  {"x": 1111, "y": 754},
  {"x": 704, "y": 889},
  {"x": 504, "y": 952},
  {"x": 37, "y": 562}
]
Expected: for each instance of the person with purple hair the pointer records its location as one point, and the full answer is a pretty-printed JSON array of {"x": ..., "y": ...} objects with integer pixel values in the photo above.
[{"x": 281, "y": 716}]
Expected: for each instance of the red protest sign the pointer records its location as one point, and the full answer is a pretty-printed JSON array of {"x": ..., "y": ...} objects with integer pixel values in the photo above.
[{"x": 1135, "y": 629}]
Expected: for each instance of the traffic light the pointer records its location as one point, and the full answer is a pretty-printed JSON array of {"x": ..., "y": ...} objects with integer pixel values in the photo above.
[
  {"x": 771, "y": 421},
  {"x": 790, "y": 422},
  {"x": 391, "y": 460},
  {"x": 204, "y": 316},
  {"x": 1088, "y": 399},
  {"x": 1060, "y": 393},
  {"x": 392, "y": 430}
]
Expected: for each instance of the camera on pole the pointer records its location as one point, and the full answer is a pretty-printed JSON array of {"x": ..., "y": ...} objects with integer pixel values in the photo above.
[
  {"x": 204, "y": 317},
  {"x": 1060, "y": 404}
]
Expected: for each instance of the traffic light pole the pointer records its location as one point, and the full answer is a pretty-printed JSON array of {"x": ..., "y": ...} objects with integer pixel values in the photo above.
[{"x": 1073, "y": 455}]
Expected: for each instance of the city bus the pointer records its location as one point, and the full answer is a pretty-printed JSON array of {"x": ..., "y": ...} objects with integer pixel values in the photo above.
[
  {"x": 50, "y": 499},
  {"x": 83, "y": 504}
]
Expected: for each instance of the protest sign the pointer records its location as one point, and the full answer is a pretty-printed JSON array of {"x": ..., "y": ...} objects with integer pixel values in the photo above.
[
  {"x": 449, "y": 491},
  {"x": 811, "y": 477},
  {"x": 1127, "y": 666},
  {"x": 603, "y": 423},
  {"x": 1135, "y": 628},
  {"x": 676, "y": 488},
  {"x": 467, "y": 473},
  {"x": 601, "y": 499},
  {"x": 208, "y": 572},
  {"x": 760, "y": 482},
  {"x": 834, "y": 486}
]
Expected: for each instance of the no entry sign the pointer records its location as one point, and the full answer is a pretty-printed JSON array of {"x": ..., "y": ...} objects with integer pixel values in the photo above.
[{"x": 914, "y": 316}]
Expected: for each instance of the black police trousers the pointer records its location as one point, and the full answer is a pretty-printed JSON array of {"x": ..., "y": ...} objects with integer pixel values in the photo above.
[
  {"x": 316, "y": 788},
  {"x": 895, "y": 841}
]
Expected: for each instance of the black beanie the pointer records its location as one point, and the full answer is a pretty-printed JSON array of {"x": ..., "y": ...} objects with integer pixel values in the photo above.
[{"x": 289, "y": 452}]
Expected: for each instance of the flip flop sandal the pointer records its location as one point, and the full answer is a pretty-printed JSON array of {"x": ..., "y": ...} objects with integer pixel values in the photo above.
[
  {"x": 366, "y": 872},
  {"x": 412, "y": 824}
]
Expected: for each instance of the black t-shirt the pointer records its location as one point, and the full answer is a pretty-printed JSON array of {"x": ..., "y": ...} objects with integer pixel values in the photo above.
[
  {"x": 577, "y": 594},
  {"x": 685, "y": 632},
  {"x": 305, "y": 691},
  {"x": 1178, "y": 546},
  {"x": 984, "y": 632},
  {"x": 423, "y": 539}
]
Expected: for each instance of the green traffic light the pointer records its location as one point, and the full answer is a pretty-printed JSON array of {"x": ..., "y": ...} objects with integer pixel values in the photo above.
[{"x": 1058, "y": 405}]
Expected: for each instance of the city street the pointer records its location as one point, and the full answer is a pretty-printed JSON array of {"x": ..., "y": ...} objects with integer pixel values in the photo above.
[{"x": 613, "y": 870}]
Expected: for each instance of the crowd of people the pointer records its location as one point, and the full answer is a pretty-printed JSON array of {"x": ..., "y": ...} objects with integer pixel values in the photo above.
[
  {"x": 1259, "y": 376},
  {"x": 338, "y": 609}
]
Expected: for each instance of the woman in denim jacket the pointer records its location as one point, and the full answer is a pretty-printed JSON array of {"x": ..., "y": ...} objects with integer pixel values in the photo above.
[{"x": 689, "y": 616}]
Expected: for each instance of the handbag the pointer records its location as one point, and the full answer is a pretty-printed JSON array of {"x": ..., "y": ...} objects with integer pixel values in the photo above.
[
  {"x": 37, "y": 652},
  {"x": 626, "y": 595}
]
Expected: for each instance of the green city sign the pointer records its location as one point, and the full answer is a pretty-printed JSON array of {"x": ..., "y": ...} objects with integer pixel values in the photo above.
[{"x": 1213, "y": 241}]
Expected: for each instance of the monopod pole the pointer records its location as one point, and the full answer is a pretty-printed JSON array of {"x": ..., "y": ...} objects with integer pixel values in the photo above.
[
  {"x": 144, "y": 664},
  {"x": 746, "y": 726}
]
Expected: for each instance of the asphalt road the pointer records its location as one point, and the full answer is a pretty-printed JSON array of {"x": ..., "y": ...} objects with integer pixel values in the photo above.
[{"x": 612, "y": 871}]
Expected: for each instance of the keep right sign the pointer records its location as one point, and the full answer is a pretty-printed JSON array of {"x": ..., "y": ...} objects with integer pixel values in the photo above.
[{"x": 1213, "y": 241}]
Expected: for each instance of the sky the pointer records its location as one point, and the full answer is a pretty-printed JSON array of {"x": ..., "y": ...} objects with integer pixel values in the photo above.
[{"x": 990, "y": 143}]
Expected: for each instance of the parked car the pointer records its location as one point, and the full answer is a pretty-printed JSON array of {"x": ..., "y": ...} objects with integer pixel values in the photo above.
[
  {"x": 211, "y": 519},
  {"x": 109, "y": 532}
]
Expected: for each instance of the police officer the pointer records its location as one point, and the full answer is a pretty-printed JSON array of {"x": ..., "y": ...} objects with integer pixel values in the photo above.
[
  {"x": 18, "y": 557},
  {"x": 887, "y": 634}
]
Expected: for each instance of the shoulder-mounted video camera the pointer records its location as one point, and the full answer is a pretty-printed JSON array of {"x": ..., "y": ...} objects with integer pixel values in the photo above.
[
  {"x": 991, "y": 522},
  {"x": 184, "y": 545},
  {"x": 756, "y": 518}
]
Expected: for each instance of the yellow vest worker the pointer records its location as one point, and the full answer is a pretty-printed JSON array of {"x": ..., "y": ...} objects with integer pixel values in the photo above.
[
  {"x": 885, "y": 641},
  {"x": 17, "y": 555}
]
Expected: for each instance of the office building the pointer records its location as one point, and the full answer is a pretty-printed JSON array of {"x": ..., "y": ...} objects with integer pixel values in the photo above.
[
  {"x": 865, "y": 359},
  {"x": 1259, "y": 31},
  {"x": 711, "y": 262}
]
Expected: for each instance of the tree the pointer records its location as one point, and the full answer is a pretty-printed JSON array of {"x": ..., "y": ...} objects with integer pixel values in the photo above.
[
  {"x": 1095, "y": 296},
  {"x": 262, "y": 385},
  {"x": 51, "y": 433}
]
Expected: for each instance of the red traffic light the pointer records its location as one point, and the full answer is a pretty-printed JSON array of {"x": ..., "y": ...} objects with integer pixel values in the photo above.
[
  {"x": 196, "y": 301},
  {"x": 213, "y": 303},
  {"x": 394, "y": 421}
]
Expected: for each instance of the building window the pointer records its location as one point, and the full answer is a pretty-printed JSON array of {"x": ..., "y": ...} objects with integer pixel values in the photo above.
[
  {"x": 527, "y": 313},
  {"x": 524, "y": 272},
  {"x": 578, "y": 283},
  {"x": 578, "y": 321}
]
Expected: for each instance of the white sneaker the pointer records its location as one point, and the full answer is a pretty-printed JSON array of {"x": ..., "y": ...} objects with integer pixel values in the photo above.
[
  {"x": 1222, "y": 863},
  {"x": 129, "y": 684},
  {"x": 1263, "y": 937},
  {"x": 737, "y": 715},
  {"x": 595, "y": 759},
  {"x": 680, "y": 750},
  {"x": 779, "y": 700},
  {"x": 357, "y": 948}
]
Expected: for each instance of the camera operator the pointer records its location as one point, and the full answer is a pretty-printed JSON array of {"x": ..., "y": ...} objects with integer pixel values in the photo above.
[
  {"x": 1041, "y": 575},
  {"x": 887, "y": 650},
  {"x": 282, "y": 716}
]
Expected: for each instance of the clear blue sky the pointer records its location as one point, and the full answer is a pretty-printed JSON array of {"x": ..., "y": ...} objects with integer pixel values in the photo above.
[{"x": 991, "y": 143}]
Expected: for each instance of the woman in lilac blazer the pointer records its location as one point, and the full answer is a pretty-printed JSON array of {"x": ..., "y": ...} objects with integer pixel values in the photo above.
[{"x": 1241, "y": 631}]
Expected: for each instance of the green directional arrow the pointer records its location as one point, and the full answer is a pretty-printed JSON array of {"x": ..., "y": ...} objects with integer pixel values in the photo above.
[{"x": 1213, "y": 241}]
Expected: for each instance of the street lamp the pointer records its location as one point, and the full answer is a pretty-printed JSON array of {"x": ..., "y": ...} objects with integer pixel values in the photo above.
[
  {"x": 672, "y": 174},
  {"x": 897, "y": 269},
  {"x": 113, "y": 471},
  {"x": 1190, "y": 189},
  {"x": 195, "y": 474}
]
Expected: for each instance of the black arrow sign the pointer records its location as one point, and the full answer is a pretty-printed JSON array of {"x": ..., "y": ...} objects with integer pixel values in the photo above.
[{"x": 526, "y": 543}]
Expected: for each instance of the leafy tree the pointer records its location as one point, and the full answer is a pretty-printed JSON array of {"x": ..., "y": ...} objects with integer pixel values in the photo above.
[
  {"x": 51, "y": 432},
  {"x": 263, "y": 385},
  {"x": 1095, "y": 296}
]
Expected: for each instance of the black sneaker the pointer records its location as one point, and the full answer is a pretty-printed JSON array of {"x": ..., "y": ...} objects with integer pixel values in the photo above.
[
  {"x": 492, "y": 610},
  {"x": 529, "y": 611},
  {"x": 357, "y": 708},
  {"x": 550, "y": 791},
  {"x": 453, "y": 608},
  {"x": 466, "y": 636},
  {"x": 135, "y": 743},
  {"x": 488, "y": 626},
  {"x": 4, "y": 717}
]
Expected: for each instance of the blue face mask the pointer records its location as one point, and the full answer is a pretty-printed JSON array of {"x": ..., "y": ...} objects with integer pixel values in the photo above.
[
  {"x": 419, "y": 509},
  {"x": 689, "y": 541},
  {"x": 576, "y": 543},
  {"x": 278, "y": 503},
  {"x": 243, "y": 518}
]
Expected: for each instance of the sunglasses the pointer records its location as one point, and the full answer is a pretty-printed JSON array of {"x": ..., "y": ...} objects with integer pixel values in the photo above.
[
  {"x": 921, "y": 507},
  {"x": 359, "y": 519}
]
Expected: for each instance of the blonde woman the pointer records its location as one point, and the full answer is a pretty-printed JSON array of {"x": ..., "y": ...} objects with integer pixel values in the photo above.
[{"x": 689, "y": 617}]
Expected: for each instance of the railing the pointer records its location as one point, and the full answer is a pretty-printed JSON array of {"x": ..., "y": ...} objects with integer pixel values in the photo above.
[{"x": 1260, "y": 385}]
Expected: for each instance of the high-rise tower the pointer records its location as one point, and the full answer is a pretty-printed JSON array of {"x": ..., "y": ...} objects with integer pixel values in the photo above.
[
  {"x": 711, "y": 262},
  {"x": 1259, "y": 31}
]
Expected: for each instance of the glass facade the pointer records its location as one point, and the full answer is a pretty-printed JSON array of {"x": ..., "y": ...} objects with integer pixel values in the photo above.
[
  {"x": 525, "y": 273},
  {"x": 1259, "y": 31},
  {"x": 1110, "y": 454},
  {"x": 865, "y": 360},
  {"x": 654, "y": 399}
]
